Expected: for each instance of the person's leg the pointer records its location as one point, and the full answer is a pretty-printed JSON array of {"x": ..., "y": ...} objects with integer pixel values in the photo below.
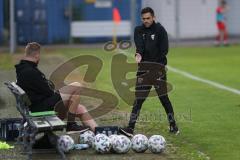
[
  {"x": 128, "y": 131},
  {"x": 85, "y": 117},
  {"x": 162, "y": 91},
  {"x": 165, "y": 101},
  {"x": 68, "y": 91},
  {"x": 223, "y": 33},
  {"x": 70, "y": 95},
  {"x": 142, "y": 90},
  {"x": 71, "y": 98},
  {"x": 137, "y": 105},
  {"x": 225, "y": 36},
  {"x": 218, "y": 37},
  {"x": 221, "y": 36}
]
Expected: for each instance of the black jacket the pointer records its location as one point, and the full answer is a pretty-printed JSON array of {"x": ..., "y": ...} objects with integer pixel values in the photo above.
[
  {"x": 33, "y": 82},
  {"x": 152, "y": 43}
]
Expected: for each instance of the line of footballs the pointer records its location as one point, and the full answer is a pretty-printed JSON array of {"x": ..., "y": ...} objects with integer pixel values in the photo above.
[{"x": 115, "y": 143}]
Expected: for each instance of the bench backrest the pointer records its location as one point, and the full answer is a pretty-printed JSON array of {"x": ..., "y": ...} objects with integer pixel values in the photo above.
[{"x": 22, "y": 100}]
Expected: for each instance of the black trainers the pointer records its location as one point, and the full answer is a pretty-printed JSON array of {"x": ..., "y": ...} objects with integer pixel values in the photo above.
[
  {"x": 126, "y": 131},
  {"x": 73, "y": 127},
  {"x": 174, "y": 129}
]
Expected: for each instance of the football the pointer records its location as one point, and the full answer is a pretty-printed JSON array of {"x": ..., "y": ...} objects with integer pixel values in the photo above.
[
  {"x": 87, "y": 138},
  {"x": 102, "y": 143},
  {"x": 112, "y": 138},
  {"x": 139, "y": 143},
  {"x": 156, "y": 144},
  {"x": 121, "y": 144},
  {"x": 65, "y": 143}
]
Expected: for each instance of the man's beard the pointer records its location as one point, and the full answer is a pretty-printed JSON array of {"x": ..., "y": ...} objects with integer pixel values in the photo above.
[{"x": 147, "y": 24}]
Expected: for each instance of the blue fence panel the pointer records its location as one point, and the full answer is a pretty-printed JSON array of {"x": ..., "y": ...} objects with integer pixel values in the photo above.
[
  {"x": 24, "y": 33},
  {"x": 31, "y": 21},
  {"x": 42, "y": 21},
  {"x": 138, "y": 12},
  {"x": 1, "y": 21},
  {"x": 58, "y": 21},
  {"x": 23, "y": 21},
  {"x": 47, "y": 21},
  {"x": 90, "y": 12}
]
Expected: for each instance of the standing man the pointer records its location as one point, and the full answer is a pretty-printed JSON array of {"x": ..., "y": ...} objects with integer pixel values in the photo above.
[
  {"x": 221, "y": 24},
  {"x": 151, "y": 41},
  {"x": 43, "y": 96}
]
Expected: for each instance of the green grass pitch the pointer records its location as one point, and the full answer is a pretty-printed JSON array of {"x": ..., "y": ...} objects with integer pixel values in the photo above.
[{"x": 208, "y": 117}]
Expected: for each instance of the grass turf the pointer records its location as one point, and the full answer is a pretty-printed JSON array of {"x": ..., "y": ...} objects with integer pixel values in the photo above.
[{"x": 207, "y": 116}]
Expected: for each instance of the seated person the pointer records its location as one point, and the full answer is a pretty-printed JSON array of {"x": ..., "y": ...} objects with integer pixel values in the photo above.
[{"x": 65, "y": 101}]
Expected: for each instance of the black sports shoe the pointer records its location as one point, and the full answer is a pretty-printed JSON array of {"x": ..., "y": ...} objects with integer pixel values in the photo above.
[
  {"x": 126, "y": 131},
  {"x": 73, "y": 127},
  {"x": 174, "y": 129}
]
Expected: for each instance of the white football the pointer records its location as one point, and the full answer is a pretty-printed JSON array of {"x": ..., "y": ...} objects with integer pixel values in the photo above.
[
  {"x": 87, "y": 138},
  {"x": 102, "y": 143},
  {"x": 139, "y": 143},
  {"x": 65, "y": 143},
  {"x": 156, "y": 144},
  {"x": 112, "y": 137},
  {"x": 121, "y": 144}
]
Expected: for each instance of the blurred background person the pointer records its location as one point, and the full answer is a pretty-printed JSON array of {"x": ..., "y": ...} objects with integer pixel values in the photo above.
[{"x": 222, "y": 37}]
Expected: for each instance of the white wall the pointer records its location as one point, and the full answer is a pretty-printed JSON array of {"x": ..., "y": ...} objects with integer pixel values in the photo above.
[
  {"x": 93, "y": 29},
  {"x": 197, "y": 18},
  {"x": 165, "y": 13},
  {"x": 233, "y": 17}
]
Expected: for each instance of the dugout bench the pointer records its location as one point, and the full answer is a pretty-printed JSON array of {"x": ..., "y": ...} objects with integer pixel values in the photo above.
[{"x": 35, "y": 123}]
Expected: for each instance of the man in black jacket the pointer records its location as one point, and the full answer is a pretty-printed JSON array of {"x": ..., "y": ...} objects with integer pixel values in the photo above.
[
  {"x": 151, "y": 41},
  {"x": 43, "y": 96}
]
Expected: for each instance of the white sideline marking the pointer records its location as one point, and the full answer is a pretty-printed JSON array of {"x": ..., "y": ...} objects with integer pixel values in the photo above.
[{"x": 212, "y": 83}]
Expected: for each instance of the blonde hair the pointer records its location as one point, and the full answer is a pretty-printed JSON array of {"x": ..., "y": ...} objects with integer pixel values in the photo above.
[{"x": 32, "y": 48}]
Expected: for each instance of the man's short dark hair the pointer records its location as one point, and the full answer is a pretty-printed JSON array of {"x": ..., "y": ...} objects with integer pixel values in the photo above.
[
  {"x": 32, "y": 48},
  {"x": 223, "y": 3},
  {"x": 147, "y": 10}
]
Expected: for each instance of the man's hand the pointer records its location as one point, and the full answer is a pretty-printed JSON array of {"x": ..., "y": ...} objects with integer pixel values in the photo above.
[{"x": 138, "y": 57}]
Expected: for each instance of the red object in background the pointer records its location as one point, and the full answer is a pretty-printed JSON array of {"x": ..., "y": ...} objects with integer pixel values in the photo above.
[
  {"x": 221, "y": 26},
  {"x": 116, "y": 16},
  {"x": 219, "y": 10}
]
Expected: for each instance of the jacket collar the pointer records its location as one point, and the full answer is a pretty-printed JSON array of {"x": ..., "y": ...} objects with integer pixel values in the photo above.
[{"x": 31, "y": 63}]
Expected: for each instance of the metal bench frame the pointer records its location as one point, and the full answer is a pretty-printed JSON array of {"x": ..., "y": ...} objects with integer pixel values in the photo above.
[{"x": 28, "y": 128}]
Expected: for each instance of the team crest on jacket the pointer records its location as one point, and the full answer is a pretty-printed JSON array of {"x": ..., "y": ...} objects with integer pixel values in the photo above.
[
  {"x": 140, "y": 80},
  {"x": 153, "y": 36}
]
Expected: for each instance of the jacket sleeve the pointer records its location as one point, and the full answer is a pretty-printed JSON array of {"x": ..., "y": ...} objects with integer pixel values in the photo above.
[
  {"x": 164, "y": 46},
  {"x": 39, "y": 83},
  {"x": 138, "y": 40}
]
